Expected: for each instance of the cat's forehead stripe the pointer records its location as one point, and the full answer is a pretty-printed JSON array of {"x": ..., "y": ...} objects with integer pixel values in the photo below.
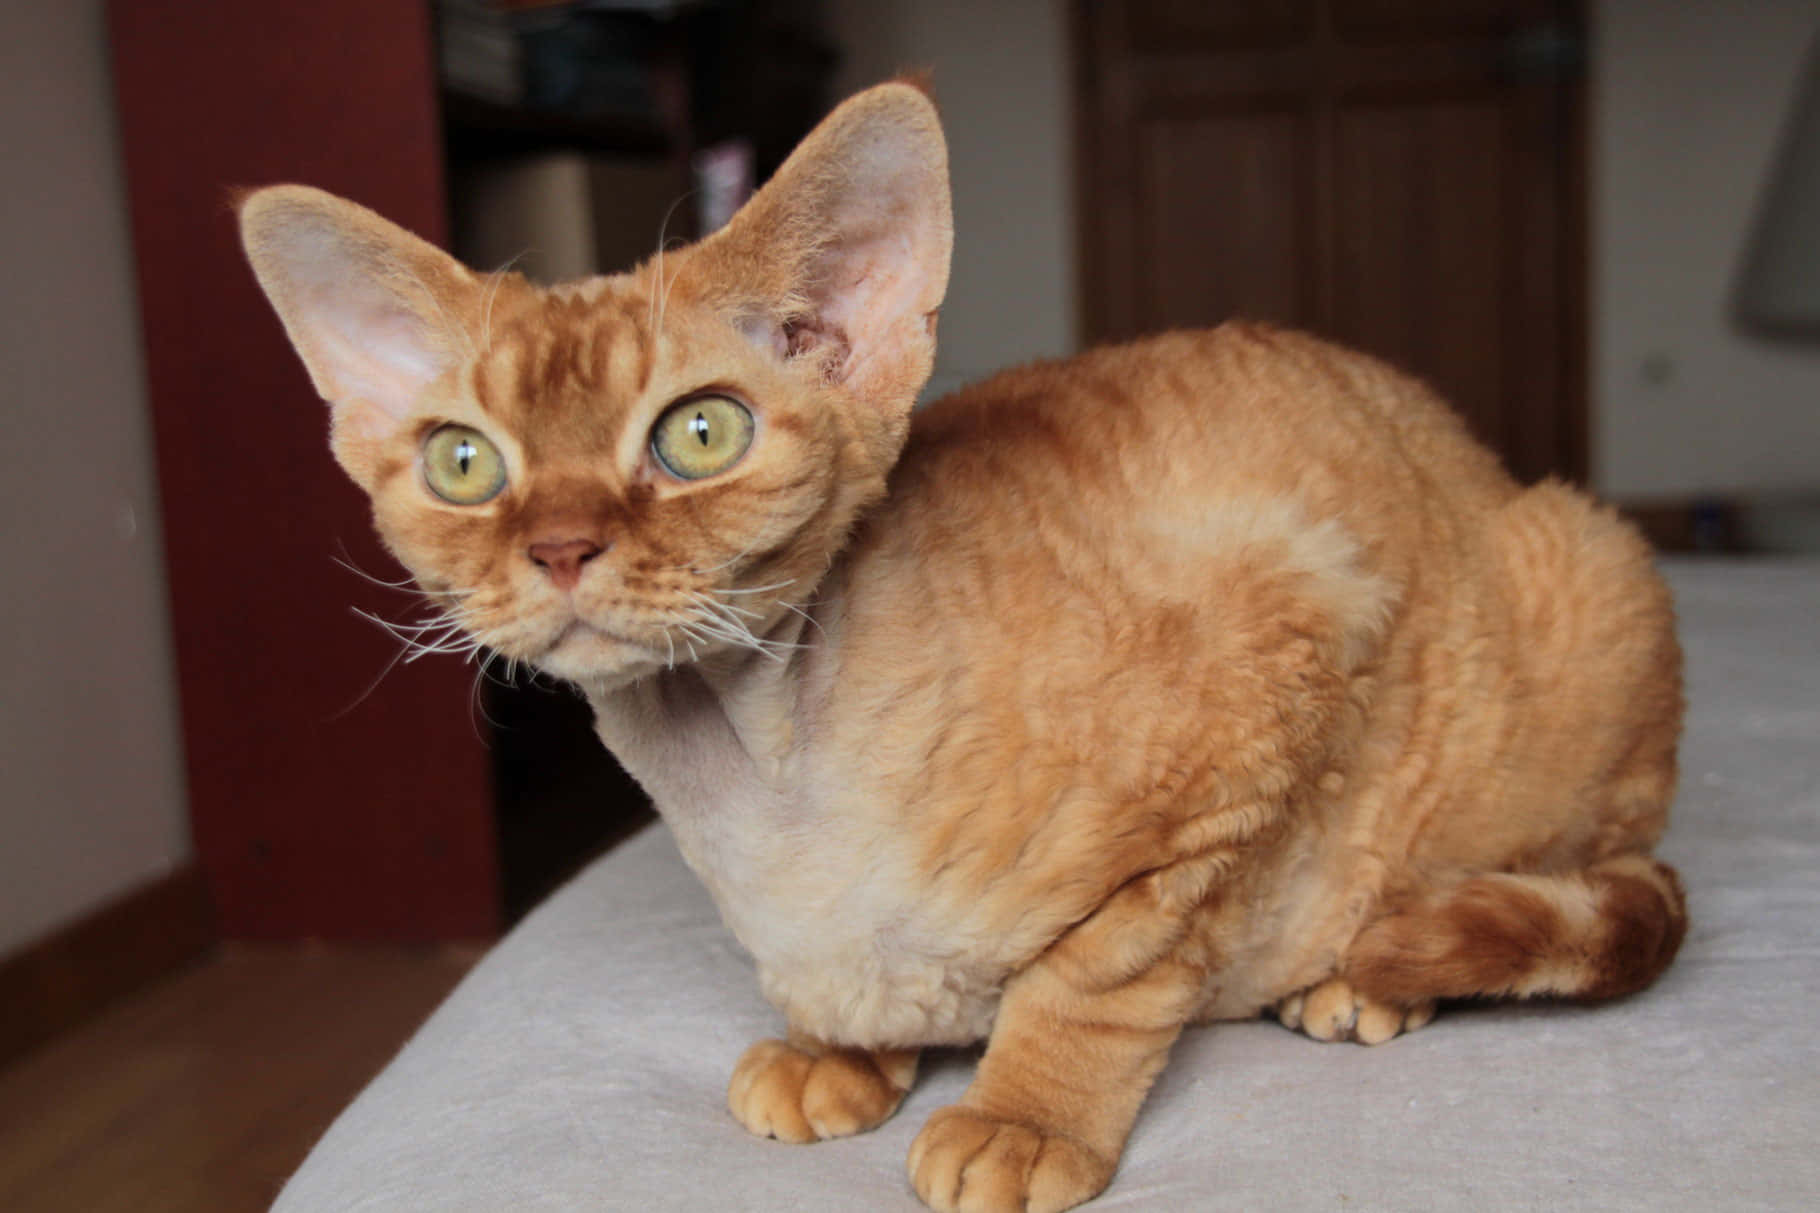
[
  {"x": 565, "y": 346},
  {"x": 631, "y": 343}
]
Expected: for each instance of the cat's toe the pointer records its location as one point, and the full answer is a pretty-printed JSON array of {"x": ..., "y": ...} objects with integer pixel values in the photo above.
[
  {"x": 765, "y": 1092},
  {"x": 967, "y": 1162},
  {"x": 779, "y": 1090},
  {"x": 1329, "y": 1010},
  {"x": 1333, "y": 1010},
  {"x": 1381, "y": 1021},
  {"x": 1376, "y": 1022}
]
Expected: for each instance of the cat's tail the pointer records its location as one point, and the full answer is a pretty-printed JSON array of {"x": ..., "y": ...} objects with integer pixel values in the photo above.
[{"x": 1603, "y": 932}]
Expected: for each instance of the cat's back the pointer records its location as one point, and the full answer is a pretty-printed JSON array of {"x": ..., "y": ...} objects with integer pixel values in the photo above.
[
  {"x": 1241, "y": 413},
  {"x": 1137, "y": 511}
]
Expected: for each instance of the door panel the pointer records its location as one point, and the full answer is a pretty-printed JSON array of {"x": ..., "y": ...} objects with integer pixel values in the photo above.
[
  {"x": 1419, "y": 249},
  {"x": 1235, "y": 182},
  {"x": 1168, "y": 25},
  {"x": 1418, "y": 18},
  {"x": 1402, "y": 175}
]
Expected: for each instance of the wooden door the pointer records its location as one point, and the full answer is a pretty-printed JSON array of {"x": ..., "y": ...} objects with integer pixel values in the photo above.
[
  {"x": 1405, "y": 176},
  {"x": 320, "y": 807}
]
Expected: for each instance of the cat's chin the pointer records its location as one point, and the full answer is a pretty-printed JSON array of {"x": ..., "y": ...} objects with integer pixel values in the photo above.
[{"x": 588, "y": 655}]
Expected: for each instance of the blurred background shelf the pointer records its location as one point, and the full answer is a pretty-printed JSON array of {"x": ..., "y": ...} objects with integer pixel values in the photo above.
[{"x": 477, "y": 126}]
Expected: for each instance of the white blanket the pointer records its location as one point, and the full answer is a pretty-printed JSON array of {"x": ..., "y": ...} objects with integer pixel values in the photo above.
[{"x": 583, "y": 1063}]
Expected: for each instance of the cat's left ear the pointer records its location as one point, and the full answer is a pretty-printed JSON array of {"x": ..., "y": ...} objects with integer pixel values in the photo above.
[
  {"x": 376, "y": 314},
  {"x": 843, "y": 255}
]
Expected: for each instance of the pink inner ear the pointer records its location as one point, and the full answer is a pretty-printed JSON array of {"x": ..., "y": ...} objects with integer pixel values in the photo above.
[
  {"x": 874, "y": 302},
  {"x": 381, "y": 353},
  {"x": 767, "y": 334},
  {"x": 359, "y": 328},
  {"x": 356, "y": 303}
]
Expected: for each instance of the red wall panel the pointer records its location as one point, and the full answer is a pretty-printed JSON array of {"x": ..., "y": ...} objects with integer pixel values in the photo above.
[{"x": 312, "y": 817}]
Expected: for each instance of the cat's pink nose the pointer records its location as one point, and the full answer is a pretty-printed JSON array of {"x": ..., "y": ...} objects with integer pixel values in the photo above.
[{"x": 563, "y": 561}]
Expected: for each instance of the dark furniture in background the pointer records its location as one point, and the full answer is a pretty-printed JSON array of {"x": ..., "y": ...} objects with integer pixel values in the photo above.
[{"x": 1406, "y": 176}]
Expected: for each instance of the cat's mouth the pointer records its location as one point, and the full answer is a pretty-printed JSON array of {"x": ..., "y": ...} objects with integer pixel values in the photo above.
[{"x": 583, "y": 650}]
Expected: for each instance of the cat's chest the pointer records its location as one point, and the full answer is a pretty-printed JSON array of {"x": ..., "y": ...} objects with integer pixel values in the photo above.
[
  {"x": 823, "y": 893},
  {"x": 829, "y": 907}
]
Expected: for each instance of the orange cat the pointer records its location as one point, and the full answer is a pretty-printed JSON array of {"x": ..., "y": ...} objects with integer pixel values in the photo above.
[{"x": 1217, "y": 673}]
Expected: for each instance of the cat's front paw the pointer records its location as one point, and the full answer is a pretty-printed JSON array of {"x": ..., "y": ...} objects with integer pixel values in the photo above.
[
  {"x": 802, "y": 1095},
  {"x": 966, "y": 1162}
]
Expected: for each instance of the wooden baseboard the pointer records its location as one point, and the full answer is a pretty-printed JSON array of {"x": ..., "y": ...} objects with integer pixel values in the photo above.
[{"x": 56, "y": 983}]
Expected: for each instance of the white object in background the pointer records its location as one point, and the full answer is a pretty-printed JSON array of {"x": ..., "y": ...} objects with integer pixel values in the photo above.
[
  {"x": 723, "y": 182},
  {"x": 1780, "y": 290}
]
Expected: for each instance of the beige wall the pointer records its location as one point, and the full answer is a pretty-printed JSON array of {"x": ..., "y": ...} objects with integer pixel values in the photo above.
[
  {"x": 1001, "y": 77},
  {"x": 1688, "y": 99},
  {"x": 91, "y": 795}
]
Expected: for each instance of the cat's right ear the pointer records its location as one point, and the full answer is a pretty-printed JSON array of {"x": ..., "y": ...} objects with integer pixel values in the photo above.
[
  {"x": 376, "y": 313},
  {"x": 844, "y": 253}
]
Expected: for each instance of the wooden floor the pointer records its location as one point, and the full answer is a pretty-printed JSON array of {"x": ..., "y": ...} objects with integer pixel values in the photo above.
[{"x": 205, "y": 1092}]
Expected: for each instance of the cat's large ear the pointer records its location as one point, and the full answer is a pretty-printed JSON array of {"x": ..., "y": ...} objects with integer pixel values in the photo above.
[
  {"x": 843, "y": 255},
  {"x": 376, "y": 313}
]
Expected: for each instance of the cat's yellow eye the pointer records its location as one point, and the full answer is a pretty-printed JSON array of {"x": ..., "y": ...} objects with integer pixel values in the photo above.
[
  {"x": 462, "y": 465},
  {"x": 702, "y": 436}
]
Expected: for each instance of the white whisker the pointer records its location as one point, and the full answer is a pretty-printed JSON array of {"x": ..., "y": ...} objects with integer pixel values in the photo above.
[
  {"x": 660, "y": 296},
  {"x": 373, "y": 685},
  {"x": 448, "y": 322},
  {"x": 726, "y": 623},
  {"x": 486, "y": 309},
  {"x": 811, "y": 620},
  {"x": 447, "y": 632},
  {"x": 407, "y": 585},
  {"x": 477, "y": 706},
  {"x": 407, "y": 631},
  {"x": 760, "y": 589},
  {"x": 743, "y": 612}
]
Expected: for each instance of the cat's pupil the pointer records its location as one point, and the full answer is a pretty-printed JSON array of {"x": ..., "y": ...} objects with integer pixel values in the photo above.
[
  {"x": 464, "y": 457},
  {"x": 699, "y": 427}
]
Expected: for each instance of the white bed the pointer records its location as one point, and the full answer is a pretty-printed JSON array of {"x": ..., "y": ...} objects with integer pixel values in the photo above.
[{"x": 583, "y": 1063}]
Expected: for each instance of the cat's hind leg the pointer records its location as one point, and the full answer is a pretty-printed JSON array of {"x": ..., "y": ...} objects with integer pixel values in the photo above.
[
  {"x": 1601, "y": 932},
  {"x": 802, "y": 1090}
]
